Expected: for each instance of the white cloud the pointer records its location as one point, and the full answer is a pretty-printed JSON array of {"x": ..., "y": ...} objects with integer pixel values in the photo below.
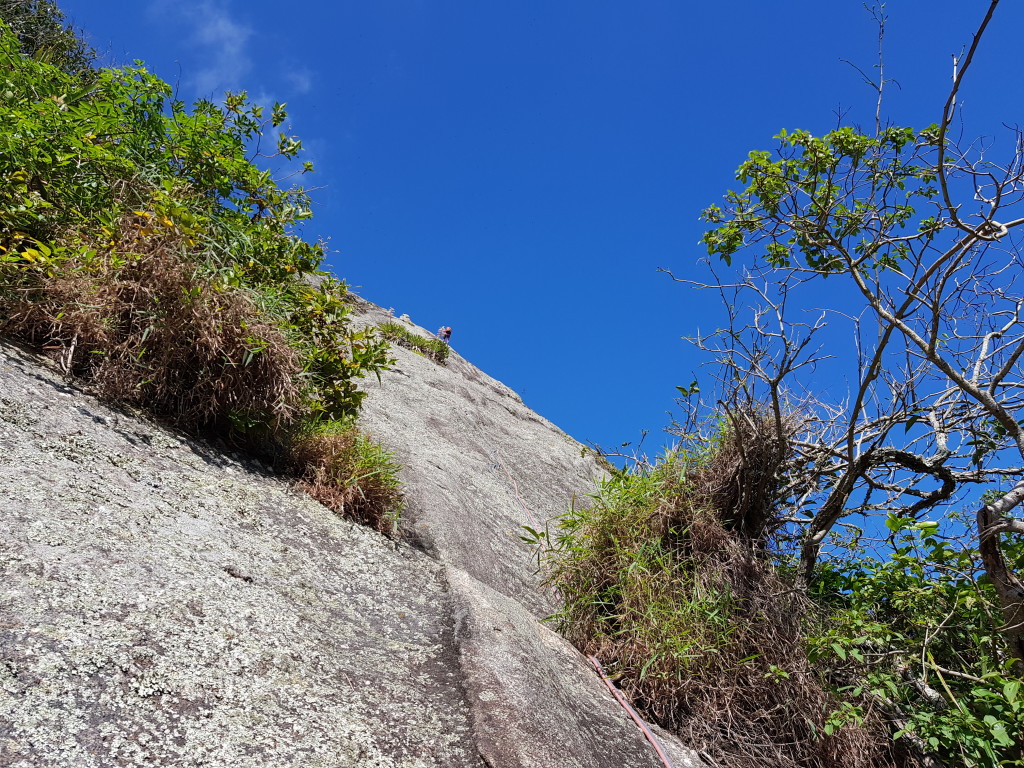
[
  {"x": 221, "y": 40},
  {"x": 299, "y": 78}
]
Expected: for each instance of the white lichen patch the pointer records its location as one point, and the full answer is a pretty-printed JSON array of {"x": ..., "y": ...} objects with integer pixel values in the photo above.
[{"x": 161, "y": 605}]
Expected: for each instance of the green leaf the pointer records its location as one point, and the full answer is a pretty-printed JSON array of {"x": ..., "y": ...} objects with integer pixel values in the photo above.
[
  {"x": 896, "y": 524},
  {"x": 1011, "y": 689},
  {"x": 689, "y": 391}
]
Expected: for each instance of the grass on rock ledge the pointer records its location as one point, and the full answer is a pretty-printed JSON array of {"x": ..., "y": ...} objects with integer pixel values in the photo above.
[{"x": 434, "y": 349}]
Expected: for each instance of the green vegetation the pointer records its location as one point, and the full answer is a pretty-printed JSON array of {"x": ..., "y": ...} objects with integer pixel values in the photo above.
[
  {"x": 917, "y": 635},
  {"x": 145, "y": 248},
  {"x": 43, "y": 34},
  {"x": 343, "y": 469},
  {"x": 435, "y": 349},
  {"x": 804, "y": 587},
  {"x": 664, "y": 578},
  {"x": 678, "y": 578}
]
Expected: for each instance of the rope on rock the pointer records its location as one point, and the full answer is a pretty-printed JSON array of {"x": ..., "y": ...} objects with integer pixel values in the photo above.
[
  {"x": 632, "y": 713},
  {"x": 593, "y": 659},
  {"x": 493, "y": 467},
  {"x": 515, "y": 488}
]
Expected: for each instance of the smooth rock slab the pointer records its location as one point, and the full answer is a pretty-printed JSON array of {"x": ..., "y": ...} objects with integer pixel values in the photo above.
[
  {"x": 536, "y": 702},
  {"x": 161, "y": 604},
  {"x": 477, "y": 463}
]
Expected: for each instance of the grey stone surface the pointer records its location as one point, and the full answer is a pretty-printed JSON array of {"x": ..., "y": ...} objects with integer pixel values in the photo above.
[
  {"x": 165, "y": 604},
  {"x": 510, "y": 662},
  {"x": 478, "y": 465},
  {"x": 161, "y": 604}
]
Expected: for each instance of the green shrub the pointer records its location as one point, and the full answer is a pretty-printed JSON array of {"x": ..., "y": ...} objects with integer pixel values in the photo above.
[
  {"x": 112, "y": 194},
  {"x": 349, "y": 473},
  {"x": 143, "y": 246},
  {"x": 435, "y": 349},
  {"x": 673, "y": 579},
  {"x": 667, "y": 589},
  {"x": 917, "y": 633}
]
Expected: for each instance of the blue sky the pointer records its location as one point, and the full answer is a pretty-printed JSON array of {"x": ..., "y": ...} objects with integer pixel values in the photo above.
[{"x": 520, "y": 170}]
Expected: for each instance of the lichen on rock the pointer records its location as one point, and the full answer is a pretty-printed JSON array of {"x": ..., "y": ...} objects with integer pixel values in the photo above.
[{"x": 163, "y": 602}]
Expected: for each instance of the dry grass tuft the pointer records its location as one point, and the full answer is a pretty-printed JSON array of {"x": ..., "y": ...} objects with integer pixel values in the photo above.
[
  {"x": 144, "y": 326},
  {"x": 145, "y": 330},
  {"x": 739, "y": 480},
  {"x": 350, "y": 474}
]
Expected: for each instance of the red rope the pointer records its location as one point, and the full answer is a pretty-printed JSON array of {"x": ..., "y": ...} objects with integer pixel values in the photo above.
[
  {"x": 593, "y": 660},
  {"x": 515, "y": 490},
  {"x": 632, "y": 713}
]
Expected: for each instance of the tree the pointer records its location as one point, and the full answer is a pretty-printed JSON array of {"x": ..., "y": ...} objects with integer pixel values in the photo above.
[
  {"x": 43, "y": 31},
  {"x": 914, "y": 236}
]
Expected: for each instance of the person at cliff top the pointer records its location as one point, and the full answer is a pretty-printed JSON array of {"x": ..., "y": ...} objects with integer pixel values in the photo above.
[{"x": 444, "y": 333}]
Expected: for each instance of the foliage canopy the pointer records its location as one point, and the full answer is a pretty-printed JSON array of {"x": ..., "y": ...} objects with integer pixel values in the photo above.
[
  {"x": 43, "y": 33},
  {"x": 914, "y": 613},
  {"x": 144, "y": 245}
]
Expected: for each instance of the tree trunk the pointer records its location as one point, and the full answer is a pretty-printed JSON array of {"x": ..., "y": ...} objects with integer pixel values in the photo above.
[{"x": 1009, "y": 588}]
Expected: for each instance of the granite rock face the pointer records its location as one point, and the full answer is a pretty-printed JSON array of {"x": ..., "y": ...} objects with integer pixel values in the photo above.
[
  {"x": 166, "y": 604},
  {"x": 477, "y": 465}
]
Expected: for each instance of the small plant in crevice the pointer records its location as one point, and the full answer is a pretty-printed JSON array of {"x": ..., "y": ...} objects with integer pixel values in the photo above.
[
  {"x": 349, "y": 473},
  {"x": 435, "y": 349},
  {"x": 600, "y": 457}
]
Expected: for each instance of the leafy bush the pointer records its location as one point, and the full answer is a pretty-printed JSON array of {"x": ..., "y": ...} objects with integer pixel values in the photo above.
[
  {"x": 918, "y": 634},
  {"x": 668, "y": 590},
  {"x": 895, "y": 657},
  {"x": 109, "y": 193},
  {"x": 347, "y": 472},
  {"x": 143, "y": 246},
  {"x": 435, "y": 349}
]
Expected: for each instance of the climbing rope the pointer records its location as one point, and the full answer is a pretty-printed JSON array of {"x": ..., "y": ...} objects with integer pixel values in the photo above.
[
  {"x": 495, "y": 463},
  {"x": 493, "y": 467},
  {"x": 593, "y": 660},
  {"x": 632, "y": 713}
]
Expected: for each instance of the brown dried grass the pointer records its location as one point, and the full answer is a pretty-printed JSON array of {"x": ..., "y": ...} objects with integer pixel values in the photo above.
[
  {"x": 753, "y": 700},
  {"x": 349, "y": 474},
  {"x": 739, "y": 480},
  {"x": 144, "y": 330},
  {"x": 671, "y": 588}
]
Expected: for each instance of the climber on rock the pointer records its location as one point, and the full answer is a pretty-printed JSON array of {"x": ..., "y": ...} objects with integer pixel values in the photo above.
[{"x": 444, "y": 333}]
